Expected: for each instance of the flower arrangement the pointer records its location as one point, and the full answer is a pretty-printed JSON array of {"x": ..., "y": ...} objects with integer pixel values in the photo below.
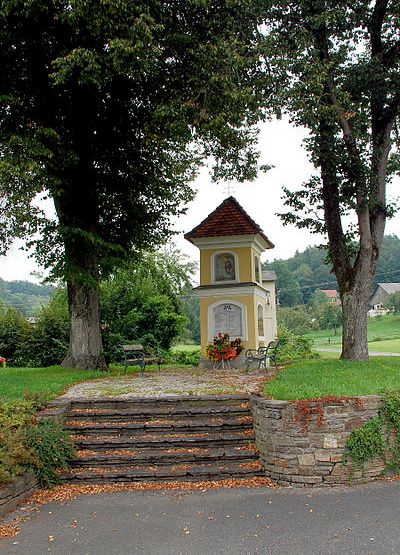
[
  {"x": 2, "y": 362},
  {"x": 222, "y": 349}
]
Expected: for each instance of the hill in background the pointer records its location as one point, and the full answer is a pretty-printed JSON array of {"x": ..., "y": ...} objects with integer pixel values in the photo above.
[
  {"x": 25, "y": 296},
  {"x": 299, "y": 276}
]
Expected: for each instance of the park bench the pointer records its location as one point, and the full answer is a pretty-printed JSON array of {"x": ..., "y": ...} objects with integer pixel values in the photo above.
[
  {"x": 137, "y": 355},
  {"x": 261, "y": 355}
]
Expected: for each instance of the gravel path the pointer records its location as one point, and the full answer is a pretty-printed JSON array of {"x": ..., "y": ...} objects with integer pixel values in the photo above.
[{"x": 171, "y": 382}]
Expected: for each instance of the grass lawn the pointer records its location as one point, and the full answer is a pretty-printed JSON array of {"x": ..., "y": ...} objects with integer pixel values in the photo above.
[
  {"x": 380, "y": 330},
  {"x": 52, "y": 381},
  {"x": 385, "y": 346},
  {"x": 185, "y": 348},
  {"x": 318, "y": 378}
]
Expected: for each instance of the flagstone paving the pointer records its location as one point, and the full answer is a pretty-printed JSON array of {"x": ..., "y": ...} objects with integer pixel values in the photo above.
[{"x": 171, "y": 382}]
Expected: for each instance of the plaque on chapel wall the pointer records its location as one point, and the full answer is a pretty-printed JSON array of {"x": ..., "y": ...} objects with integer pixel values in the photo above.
[
  {"x": 224, "y": 267},
  {"x": 228, "y": 319}
]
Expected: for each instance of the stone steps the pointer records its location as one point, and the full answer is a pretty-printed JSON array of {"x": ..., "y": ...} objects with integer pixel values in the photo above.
[
  {"x": 186, "y": 402},
  {"x": 117, "y": 457},
  {"x": 156, "y": 413},
  {"x": 166, "y": 439},
  {"x": 218, "y": 470},
  {"x": 161, "y": 426}
]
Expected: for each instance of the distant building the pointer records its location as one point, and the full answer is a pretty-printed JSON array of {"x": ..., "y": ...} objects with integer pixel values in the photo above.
[
  {"x": 332, "y": 295},
  {"x": 380, "y": 296}
]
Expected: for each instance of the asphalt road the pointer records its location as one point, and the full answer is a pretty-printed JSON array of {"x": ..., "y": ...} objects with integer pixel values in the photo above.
[{"x": 359, "y": 520}]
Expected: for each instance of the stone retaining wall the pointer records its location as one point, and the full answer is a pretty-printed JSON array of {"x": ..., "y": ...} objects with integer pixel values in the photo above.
[
  {"x": 17, "y": 492},
  {"x": 312, "y": 456}
]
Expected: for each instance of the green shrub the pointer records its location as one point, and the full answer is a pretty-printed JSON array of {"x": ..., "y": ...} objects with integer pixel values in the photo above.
[
  {"x": 366, "y": 442},
  {"x": 16, "y": 414},
  {"x": 47, "y": 342},
  {"x": 191, "y": 358},
  {"x": 293, "y": 347},
  {"x": 14, "y": 331},
  {"x": 15, "y": 456},
  {"x": 53, "y": 448},
  {"x": 112, "y": 345}
]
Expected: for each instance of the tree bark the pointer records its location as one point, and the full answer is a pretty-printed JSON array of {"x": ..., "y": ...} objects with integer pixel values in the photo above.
[
  {"x": 85, "y": 346},
  {"x": 355, "y": 312}
]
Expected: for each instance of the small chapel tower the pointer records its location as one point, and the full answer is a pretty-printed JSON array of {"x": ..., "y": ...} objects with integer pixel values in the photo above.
[{"x": 236, "y": 297}]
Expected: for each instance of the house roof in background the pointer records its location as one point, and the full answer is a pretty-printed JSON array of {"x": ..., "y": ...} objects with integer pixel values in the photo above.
[
  {"x": 389, "y": 288},
  {"x": 268, "y": 275},
  {"x": 228, "y": 219},
  {"x": 330, "y": 293}
]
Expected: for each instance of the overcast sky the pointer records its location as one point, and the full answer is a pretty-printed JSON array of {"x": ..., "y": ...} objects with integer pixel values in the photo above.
[{"x": 281, "y": 146}]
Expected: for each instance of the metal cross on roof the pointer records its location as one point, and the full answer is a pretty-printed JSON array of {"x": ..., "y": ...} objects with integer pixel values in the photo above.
[{"x": 229, "y": 189}]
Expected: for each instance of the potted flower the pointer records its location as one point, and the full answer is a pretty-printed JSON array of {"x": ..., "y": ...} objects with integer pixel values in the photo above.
[
  {"x": 2, "y": 362},
  {"x": 221, "y": 351}
]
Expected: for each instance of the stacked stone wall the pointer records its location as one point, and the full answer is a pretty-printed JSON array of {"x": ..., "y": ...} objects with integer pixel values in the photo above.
[
  {"x": 17, "y": 492},
  {"x": 302, "y": 453}
]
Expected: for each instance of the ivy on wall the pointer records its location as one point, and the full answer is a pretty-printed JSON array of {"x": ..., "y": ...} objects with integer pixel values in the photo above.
[{"x": 377, "y": 436}]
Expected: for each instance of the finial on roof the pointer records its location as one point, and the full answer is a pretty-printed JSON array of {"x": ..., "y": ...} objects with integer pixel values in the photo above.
[{"x": 229, "y": 189}]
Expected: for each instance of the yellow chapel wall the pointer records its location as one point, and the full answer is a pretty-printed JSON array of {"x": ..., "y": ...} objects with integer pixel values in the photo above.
[
  {"x": 245, "y": 263},
  {"x": 247, "y": 300}
]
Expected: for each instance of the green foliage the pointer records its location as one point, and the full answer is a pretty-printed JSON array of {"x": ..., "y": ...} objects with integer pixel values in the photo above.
[
  {"x": 393, "y": 302},
  {"x": 328, "y": 315},
  {"x": 141, "y": 302},
  {"x": 14, "y": 330},
  {"x": 189, "y": 357},
  {"x": 311, "y": 271},
  {"x": 391, "y": 410},
  {"x": 47, "y": 341},
  {"x": 336, "y": 72},
  {"x": 25, "y": 444},
  {"x": 120, "y": 97},
  {"x": 16, "y": 414},
  {"x": 191, "y": 309},
  {"x": 24, "y": 296},
  {"x": 292, "y": 347},
  {"x": 298, "y": 319},
  {"x": 53, "y": 448},
  {"x": 374, "y": 438},
  {"x": 15, "y": 456},
  {"x": 365, "y": 443}
]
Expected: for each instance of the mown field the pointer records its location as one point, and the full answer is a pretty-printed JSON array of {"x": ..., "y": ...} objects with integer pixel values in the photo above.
[{"x": 383, "y": 335}]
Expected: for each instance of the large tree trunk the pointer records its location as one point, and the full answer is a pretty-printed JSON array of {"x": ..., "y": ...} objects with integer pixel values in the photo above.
[
  {"x": 355, "y": 313},
  {"x": 85, "y": 347}
]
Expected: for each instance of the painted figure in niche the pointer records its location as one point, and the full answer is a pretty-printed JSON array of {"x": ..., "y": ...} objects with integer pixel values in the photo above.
[{"x": 225, "y": 267}]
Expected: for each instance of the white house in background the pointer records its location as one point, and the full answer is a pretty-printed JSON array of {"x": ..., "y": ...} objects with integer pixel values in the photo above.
[{"x": 380, "y": 296}]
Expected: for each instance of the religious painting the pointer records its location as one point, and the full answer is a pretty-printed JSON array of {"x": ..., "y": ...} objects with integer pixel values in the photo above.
[
  {"x": 224, "y": 267},
  {"x": 228, "y": 319}
]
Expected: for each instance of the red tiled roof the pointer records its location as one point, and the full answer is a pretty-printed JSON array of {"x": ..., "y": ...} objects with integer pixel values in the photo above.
[
  {"x": 330, "y": 293},
  {"x": 229, "y": 218}
]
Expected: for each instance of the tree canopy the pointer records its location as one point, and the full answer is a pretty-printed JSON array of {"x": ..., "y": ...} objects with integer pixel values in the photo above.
[
  {"x": 336, "y": 66},
  {"x": 108, "y": 108}
]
